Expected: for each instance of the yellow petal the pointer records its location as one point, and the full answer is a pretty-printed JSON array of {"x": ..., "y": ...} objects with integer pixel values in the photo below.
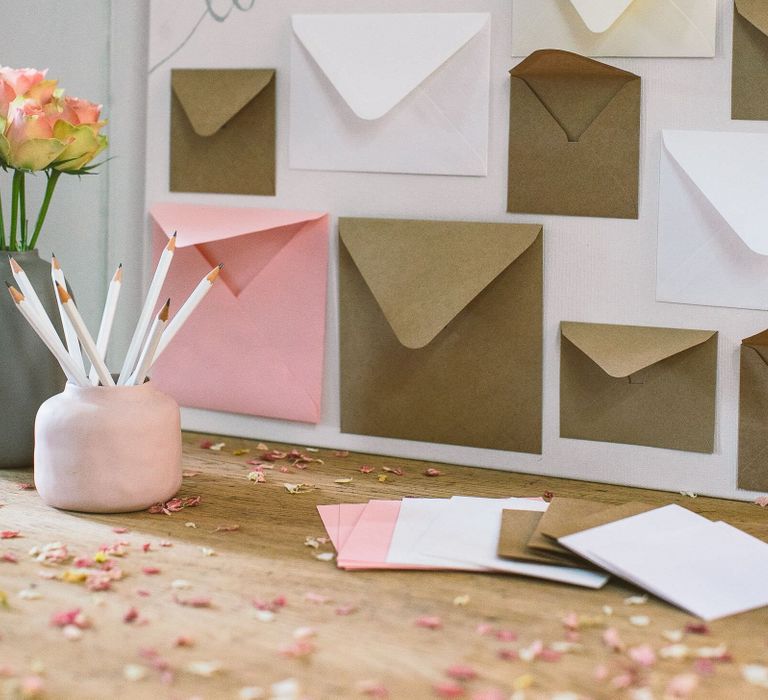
[
  {"x": 84, "y": 143},
  {"x": 35, "y": 154}
]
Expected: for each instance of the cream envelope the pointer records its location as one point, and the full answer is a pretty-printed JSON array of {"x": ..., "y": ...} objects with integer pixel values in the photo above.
[
  {"x": 713, "y": 208},
  {"x": 615, "y": 27},
  {"x": 402, "y": 93},
  {"x": 255, "y": 345}
]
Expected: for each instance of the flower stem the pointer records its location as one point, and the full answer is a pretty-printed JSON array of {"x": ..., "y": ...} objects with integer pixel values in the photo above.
[
  {"x": 2, "y": 226},
  {"x": 14, "y": 208},
  {"x": 23, "y": 210},
  {"x": 53, "y": 178}
]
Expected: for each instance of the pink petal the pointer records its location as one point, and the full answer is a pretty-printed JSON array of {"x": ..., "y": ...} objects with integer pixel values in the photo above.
[
  {"x": 682, "y": 686},
  {"x": 461, "y": 672},
  {"x": 762, "y": 501},
  {"x": 432, "y": 472},
  {"x": 431, "y": 622},
  {"x": 373, "y": 689},
  {"x": 643, "y": 655},
  {"x": 9, "y": 534},
  {"x": 449, "y": 689},
  {"x": 150, "y": 570},
  {"x": 612, "y": 640}
]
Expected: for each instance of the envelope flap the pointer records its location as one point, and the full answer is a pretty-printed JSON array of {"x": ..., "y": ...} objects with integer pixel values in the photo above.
[
  {"x": 729, "y": 168},
  {"x": 211, "y": 97},
  {"x": 217, "y": 235},
  {"x": 755, "y": 12},
  {"x": 375, "y": 60},
  {"x": 623, "y": 350},
  {"x": 423, "y": 273},
  {"x": 600, "y": 15},
  {"x": 573, "y": 89}
]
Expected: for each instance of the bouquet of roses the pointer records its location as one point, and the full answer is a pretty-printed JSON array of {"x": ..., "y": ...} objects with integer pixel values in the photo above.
[{"x": 41, "y": 130}]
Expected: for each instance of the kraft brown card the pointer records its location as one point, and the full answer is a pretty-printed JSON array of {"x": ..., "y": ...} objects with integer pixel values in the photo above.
[
  {"x": 638, "y": 385},
  {"x": 749, "y": 72},
  {"x": 223, "y": 131},
  {"x": 517, "y": 526},
  {"x": 753, "y": 413},
  {"x": 441, "y": 331},
  {"x": 574, "y": 137}
]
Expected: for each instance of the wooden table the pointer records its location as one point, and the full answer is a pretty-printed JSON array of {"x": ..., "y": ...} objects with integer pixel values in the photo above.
[{"x": 378, "y": 642}]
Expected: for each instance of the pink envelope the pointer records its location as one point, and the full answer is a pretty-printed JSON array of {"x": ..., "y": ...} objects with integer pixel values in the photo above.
[
  {"x": 255, "y": 345},
  {"x": 367, "y": 545}
]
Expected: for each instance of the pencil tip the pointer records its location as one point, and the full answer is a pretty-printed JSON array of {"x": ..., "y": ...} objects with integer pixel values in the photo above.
[
  {"x": 15, "y": 293},
  {"x": 213, "y": 274},
  {"x": 14, "y": 266},
  {"x": 55, "y": 262},
  {"x": 221, "y": 265},
  {"x": 171, "y": 243},
  {"x": 7, "y": 284},
  {"x": 118, "y": 273},
  {"x": 63, "y": 294},
  {"x": 163, "y": 315}
]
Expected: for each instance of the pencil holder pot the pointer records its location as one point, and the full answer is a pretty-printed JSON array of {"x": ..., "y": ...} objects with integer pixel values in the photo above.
[
  {"x": 107, "y": 449},
  {"x": 29, "y": 374}
]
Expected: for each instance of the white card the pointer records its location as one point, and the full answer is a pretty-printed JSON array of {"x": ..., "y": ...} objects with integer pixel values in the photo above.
[{"x": 468, "y": 531}]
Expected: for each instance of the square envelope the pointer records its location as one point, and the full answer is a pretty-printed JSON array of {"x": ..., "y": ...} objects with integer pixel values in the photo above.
[
  {"x": 638, "y": 385},
  {"x": 574, "y": 137},
  {"x": 256, "y": 344},
  {"x": 753, "y": 409},
  {"x": 440, "y": 331}
]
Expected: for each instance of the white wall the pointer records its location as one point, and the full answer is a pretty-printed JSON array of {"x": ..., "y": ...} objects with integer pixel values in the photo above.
[{"x": 599, "y": 270}]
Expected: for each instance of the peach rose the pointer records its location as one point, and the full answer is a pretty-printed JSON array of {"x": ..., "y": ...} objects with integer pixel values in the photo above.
[
  {"x": 15, "y": 82},
  {"x": 29, "y": 142}
]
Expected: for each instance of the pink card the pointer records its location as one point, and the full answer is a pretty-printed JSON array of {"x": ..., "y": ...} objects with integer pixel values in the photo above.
[{"x": 368, "y": 542}]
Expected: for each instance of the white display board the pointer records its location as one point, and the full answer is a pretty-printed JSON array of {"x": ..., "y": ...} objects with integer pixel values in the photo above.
[{"x": 596, "y": 270}]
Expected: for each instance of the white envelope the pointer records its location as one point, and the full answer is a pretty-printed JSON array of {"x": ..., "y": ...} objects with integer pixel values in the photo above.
[
  {"x": 615, "y": 27},
  {"x": 713, "y": 209},
  {"x": 400, "y": 93}
]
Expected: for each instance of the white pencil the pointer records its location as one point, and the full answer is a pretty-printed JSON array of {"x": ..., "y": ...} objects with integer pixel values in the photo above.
[
  {"x": 26, "y": 288},
  {"x": 150, "y": 347},
  {"x": 85, "y": 337},
  {"x": 146, "y": 313},
  {"x": 107, "y": 318},
  {"x": 70, "y": 336},
  {"x": 52, "y": 342},
  {"x": 198, "y": 294}
]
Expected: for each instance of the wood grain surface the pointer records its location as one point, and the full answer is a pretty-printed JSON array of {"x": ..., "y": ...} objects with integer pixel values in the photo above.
[{"x": 379, "y": 642}]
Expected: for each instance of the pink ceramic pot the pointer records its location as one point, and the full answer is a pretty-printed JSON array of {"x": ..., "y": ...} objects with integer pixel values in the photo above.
[{"x": 107, "y": 449}]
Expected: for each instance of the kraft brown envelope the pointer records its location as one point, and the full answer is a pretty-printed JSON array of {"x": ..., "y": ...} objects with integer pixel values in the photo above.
[
  {"x": 749, "y": 71},
  {"x": 223, "y": 131},
  {"x": 574, "y": 137},
  {"x": 753, "y": 413},
  {"x": 638, "y": 385},
  {"x": 517, "y": 526},
  {"x": 441, "y": 331}
]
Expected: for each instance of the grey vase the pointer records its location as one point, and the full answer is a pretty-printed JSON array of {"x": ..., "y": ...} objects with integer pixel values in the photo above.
[{"x": 28, "y": 372}]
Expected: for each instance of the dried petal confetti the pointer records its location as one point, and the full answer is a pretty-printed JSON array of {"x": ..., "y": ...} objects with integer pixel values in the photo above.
[
  {"x": 184, "y": 641},
  {"x": 373, "y": 689},
  {"x": 672, "y": 635},
  {"x": 261, "y": 446},
  {"x": 9, "y": 534},
  {"x": 548, "y": 496},
  {"x": 430, "y": 622},
  {"x": 72, "y": 633},
  {"x": 506, "y": 635},
  {"x": 325, "y": 556},
  {"x": 195, "y": 602},
  {"x": 297, "y": 488},
  {"x": 206, "y": 445},
  {"x": 189, "y": 473},
  {"x": 704, "y": 667},
  {"x": 9, "y": 557},
  {"x": 761, "y": 501},
  {"x": 397, "y": 471},
  {"x": 532, "y": 651},
  {"x": 130, "y": 615},
  {"x": 27, "y": 487},
  {"x": 612, "y": 640},
  {"x": 240, "y": 452},
  {"x": 432, "y": 472},
  {"x": 191, "y": 524},
  {"x": 341, "y": 453},
  {"x": 523, "y": 682},
  {"x": 461, "y": 600},
  {"x": 640, "y": 620},
  {"x": 52, "y": 554},
  {"x": 643, "y": 655},
  {"x": 218, "y": 447},
  {"x": 206, "y": 669},
  {"x": 382, "y": 478},
  {"x": 508, "y": 654},
  {"x": 273, "y": 455},
  {"x": 150, "y": 570},
  {"x": 344, "y": 610},
  {"x": 346, "y": 480},
  {"x": 227, "y": 528},
  {"x": 304, "y": 633},
  {"x": 682, "y": 686},
  {"x": 674, "y": 651},
  {"x": 755, "y": 674},
  {"x": 461, "y": 672},
  {"x": 32, "y": 687},
  {"x": 636, "y": 600},
  {"x": 317, "y": 598},
  {"x": 689, "y": 494},
  {"x": 251, "y": 692},
  {"x": 175, "y": 504},
  {"x": 696, "y": 628},
  {"x": 74, "y": 617},
  {"x": 257, "y": 477},
  {"x": 264, "y": 615},
  {"x": 30, "y": 593},
  {"x": 298, "y": 649},
  {"x": 366, "y": 470},
  {"x": 449, "y": 689}
]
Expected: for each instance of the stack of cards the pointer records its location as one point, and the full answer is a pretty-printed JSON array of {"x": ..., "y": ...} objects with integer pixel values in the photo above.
[
  {"x": 459, "y": 533},
  {"x": 710, "y": 569}
]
